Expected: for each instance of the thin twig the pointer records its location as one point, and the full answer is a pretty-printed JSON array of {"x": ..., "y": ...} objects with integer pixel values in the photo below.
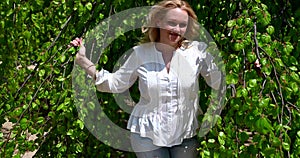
[
  {"x": 22, "y": 114},
  {"x": 280, "y": 89},
  {"x": 294, "y": 106},
  {"x": 244, "y": 68},
  {"x": 56, "y": 38},
  {"x": 107, "y": 32},
  {"x": 258, "y": 57},
  {"x": 233, "y": 90},
  {"x": 44, "y": 138},
  {"x": 38, "y": 63},
  {"x": 275, "y": 100},
  {"x": 15, "y": 14},
  {"x": 290, "y": 114},
  {"x": 256, "y": 42},
  {"x": 263, "y": 87}
]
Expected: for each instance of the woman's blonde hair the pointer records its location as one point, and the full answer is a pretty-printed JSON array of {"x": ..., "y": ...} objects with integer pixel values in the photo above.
[{"x": 159, "y": 11}]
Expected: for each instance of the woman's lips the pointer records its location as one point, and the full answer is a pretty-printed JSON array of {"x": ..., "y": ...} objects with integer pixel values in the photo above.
[{"x": 174, "y": 36}]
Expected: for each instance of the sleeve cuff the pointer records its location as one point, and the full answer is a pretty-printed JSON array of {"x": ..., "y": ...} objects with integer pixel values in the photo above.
[{"x": 101, "y": 76}]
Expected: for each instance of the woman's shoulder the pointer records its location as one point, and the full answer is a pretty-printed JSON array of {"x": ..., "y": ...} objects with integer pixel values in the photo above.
[
  {"x": 193, "y": 47},
  {"x": 145, "y": 52},
  {"x": 144, "y": 47},
  {"x": 201, "y": 46}
]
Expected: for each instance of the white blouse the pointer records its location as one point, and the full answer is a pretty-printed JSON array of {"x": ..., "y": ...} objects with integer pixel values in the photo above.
[{"x": 168, "y": 105}]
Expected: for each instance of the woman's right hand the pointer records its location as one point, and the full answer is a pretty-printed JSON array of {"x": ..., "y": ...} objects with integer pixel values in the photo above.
[
  {"x": 81, "y": 59},
  {"x": 77, "y": 42}
]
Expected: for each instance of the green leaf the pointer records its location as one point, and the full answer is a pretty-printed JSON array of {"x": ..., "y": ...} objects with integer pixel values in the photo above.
[
  {"x": 286, "y": 146},
  {"x": 270, "y": 29},
  {"x": 264, "y": 102},
  {"x": 293, "y": 68},
  {"x": 42, "y": 72},
  {"x": 62, "y": 58},
  {"x": 267, "y": 69},
  {"x": 40, "y": 120},
  {"x": 269, "y": 152},
  {"x": 34, "y": 105},
  {"x": 61, "y": 78},
  {"x": 242, "y": 92},
  {"x": 104, "y": 59},
  {"x": 252, "y": 83},
  {"x": 251, "y": 57},
  {"x": 51, "y": 114},
  {"x": 266, "y": 38},
  {"x": 60, "y": 107},
  {"x": 80, "y": 123},
  {"x": 263, "y": 125},
  {"x": 288, "y": 48},
  {"x": 243, "y": 136},
  {"x": 276, "y": 142},
  {"x": 2, "y": 24},
  {"x": 89, "y": 6},
  {"x": 70, "y": 132},
  {"x": 221, "y": 138},
  {"x": 232, "y": 79},
  {"x": 240, "y": 21},
  {"x": 211, "y": 141},
  {"x": 238, "y": 46},
  {"x": 248, "y": 21},
  {"x": 293, "y": 60},
  {"x": 279, "y": 61},
  {"x": 231, "y": 23},
  {"x": 295, "y": 87},
  {"x": 27, "y": 34},
  {"x": 23, "y": 123},
  {"x": 58, "y": 145},
  {"x": 101, "y": 16}
]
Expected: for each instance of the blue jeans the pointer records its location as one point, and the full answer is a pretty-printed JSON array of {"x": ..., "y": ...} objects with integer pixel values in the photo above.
[{"x": 188, "y": 148}]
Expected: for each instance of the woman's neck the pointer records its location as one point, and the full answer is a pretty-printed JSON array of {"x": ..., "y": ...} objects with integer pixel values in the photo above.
[
  {"x": 164, "y": 48},
  {"x": 167, "y": 53}
]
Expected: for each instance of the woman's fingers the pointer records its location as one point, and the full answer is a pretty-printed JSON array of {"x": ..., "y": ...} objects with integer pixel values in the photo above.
[{"x": 76, "y": 42}]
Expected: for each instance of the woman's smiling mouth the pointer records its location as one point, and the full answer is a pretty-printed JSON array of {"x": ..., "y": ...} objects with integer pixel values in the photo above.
[{"x": 173, "y": 36}]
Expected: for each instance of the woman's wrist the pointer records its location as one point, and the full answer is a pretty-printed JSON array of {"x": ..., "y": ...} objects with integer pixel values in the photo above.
[
  {"x": 90, "y": 66},
  {"x": 92, "y": 71},
  {"x": 79, "y": 59},
  {"x": 87, "y": 65}
]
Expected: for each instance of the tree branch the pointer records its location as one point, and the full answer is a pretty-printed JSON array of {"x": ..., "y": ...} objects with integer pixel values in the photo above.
[
  {"x": 38, "y": 63},
  {"x": 256, "y": 42}
]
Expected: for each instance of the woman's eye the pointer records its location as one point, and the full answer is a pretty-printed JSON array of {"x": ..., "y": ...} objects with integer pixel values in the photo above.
[
  {"x": 171, "y": 23},
  {"x": 182, "y": 25}
]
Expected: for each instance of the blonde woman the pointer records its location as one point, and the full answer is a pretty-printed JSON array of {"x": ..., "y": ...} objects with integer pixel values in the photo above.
[{"x": 167, "y": 65}]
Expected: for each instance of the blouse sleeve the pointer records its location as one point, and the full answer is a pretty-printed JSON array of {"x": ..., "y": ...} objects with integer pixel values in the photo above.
[
  {"x": 120, "y": 80},
  {"x": 207, "y": 67}
]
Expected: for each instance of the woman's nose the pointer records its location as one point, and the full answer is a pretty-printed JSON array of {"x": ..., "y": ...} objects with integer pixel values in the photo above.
[{"x": 176, "y": 28}]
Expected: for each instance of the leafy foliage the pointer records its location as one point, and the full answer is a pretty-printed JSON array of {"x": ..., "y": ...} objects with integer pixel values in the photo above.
[{"x": 261, "y": 116}]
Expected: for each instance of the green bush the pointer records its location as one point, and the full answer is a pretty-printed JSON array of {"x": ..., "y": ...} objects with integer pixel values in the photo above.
[{"x": 261, "y": 115}]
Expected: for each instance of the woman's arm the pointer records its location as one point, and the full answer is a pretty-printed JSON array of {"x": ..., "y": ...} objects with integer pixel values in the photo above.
[
  {"x": 82, "y": 60},
  {"x": 208, "y": 69},
  {"x": 105, "y": 81}
]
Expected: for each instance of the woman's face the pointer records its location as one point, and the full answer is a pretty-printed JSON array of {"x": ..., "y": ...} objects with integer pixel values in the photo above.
[{"x": 173, "y": 26}]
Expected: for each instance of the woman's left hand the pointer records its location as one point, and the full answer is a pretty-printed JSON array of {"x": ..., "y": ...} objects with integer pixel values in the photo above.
[{"x": 77, "y": 42}]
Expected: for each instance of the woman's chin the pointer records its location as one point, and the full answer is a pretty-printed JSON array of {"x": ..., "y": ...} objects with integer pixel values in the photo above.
[{"x": 174, "y": 42}]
